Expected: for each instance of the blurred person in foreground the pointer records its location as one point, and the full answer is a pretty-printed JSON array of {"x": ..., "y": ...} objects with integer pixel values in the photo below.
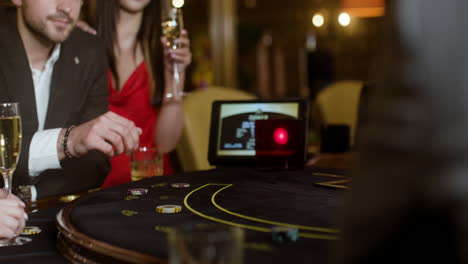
[
  {"x": 408, "y": 201},
  {"x": 12, "y": 216},
  {"x": 58, "y": 74},
  {"x": 141, "y": 76}
]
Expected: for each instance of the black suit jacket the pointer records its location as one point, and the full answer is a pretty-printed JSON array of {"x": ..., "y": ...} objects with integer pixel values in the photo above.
[
  {"x": 78, "y": 93},
  {"x": 408, "y": 201}
]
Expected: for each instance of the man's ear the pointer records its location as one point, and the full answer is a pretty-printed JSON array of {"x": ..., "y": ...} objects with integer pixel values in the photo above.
[{"x": 17, "y": 3}]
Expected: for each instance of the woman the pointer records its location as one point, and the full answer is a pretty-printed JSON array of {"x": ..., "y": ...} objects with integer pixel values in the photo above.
[
  {"x": 140, "y": 76},
  {"x": 12, "y": 216}
]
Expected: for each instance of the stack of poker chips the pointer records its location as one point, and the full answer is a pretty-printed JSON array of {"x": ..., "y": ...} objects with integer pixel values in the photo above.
[
  {"x": 169, "y": 209},
  {"x": 281, "y": 234},
  {"x": 180, "y": 185},
  {"x": 31, "y": 230},
  {"x": 137, "y": 191}
]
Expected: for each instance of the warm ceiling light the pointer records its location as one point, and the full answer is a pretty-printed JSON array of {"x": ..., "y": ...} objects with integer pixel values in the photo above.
[
  {"x": 363, "y": 8},
  {"x": 344, "y": 19},
  {"x": 318, "y": 20},
  {"x": 178, "y": 3}
]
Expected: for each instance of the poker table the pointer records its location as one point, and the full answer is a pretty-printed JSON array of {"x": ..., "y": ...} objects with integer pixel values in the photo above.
[{"x": 113, "y": 226}]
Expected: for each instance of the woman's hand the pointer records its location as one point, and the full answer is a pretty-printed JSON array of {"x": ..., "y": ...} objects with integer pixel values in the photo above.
[
  {"x": 181, "y": 56},
  {"x": 86, "y": 27},
  {"x": 12, "y": 216}
]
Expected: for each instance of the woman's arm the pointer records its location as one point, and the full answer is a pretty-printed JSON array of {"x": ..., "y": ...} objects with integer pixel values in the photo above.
[{"x": 171, "y": 115}]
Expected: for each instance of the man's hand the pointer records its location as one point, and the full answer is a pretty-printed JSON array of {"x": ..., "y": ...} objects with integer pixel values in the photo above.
[
  {"x": 109, "y": 133},
  {"x": 12, "y": 215}
]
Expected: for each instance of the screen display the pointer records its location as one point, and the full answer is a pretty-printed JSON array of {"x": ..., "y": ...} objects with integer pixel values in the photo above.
[{"x": 236, "y": 124}]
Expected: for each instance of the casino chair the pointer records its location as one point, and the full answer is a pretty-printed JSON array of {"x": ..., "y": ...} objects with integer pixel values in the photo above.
[
  {"x": 192, "y": 150},
  {"x": 338, "y": 103}
]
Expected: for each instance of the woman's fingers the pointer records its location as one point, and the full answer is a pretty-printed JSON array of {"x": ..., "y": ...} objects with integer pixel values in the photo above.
[{"x": 12, "y": 217}]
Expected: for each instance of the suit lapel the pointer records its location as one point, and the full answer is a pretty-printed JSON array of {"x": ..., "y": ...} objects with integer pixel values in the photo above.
[
  {"x": 63, "y": 89},
  {"x": 57, "y": 86},
  {"x": 16, "y": 72}
]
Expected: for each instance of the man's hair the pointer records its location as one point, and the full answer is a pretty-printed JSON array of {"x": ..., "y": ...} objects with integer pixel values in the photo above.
[{"x": 148, "y": 37}]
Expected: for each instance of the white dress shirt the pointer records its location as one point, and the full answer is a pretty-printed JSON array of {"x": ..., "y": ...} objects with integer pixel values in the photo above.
[{"x": 43, "y": 149}]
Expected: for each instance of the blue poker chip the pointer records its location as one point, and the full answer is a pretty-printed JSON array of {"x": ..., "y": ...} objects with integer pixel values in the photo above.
[{"x": 282, "y": 234}]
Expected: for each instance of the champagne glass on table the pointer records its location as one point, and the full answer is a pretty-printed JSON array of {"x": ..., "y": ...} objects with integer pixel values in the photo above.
[
  {"x": 10, "y": 146},
  {"x": 10, "y": 141},
  {"x": 172, "y": 25}
]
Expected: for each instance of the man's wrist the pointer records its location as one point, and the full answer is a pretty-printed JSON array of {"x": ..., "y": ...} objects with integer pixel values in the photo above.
[
  {"x": 66, "y": 141},
  {"x": 60, "y": 153}
]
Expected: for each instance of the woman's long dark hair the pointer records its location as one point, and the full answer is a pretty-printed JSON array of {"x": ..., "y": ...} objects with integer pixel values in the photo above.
[{"x": 149, "y": 34}]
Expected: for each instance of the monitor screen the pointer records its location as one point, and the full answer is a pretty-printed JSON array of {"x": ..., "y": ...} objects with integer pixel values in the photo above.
[{"x": 232, "y": 134}]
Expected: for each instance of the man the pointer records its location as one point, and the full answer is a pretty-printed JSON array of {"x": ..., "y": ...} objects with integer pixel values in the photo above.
[
  {"x": 408, "y": 202},
  {"x": 59, "y": 77}
]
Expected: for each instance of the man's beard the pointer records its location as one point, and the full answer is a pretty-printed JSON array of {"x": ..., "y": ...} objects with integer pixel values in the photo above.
[{"x": 39, "y": 30}]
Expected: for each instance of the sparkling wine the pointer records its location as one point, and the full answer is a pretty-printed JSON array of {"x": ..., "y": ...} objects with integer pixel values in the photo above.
[
  {"x": 10, "y": 147},
  {"x": 10, "y": 142},
  {"x": 171, "y": 29}
]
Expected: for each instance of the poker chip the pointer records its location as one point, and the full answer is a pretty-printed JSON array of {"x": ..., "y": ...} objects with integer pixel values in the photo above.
[
  {"x": 158, "y": 185},
  {"x": 169, "y": 209},
  {"x": 129, "y": 212},
  {"x": 131, "y": 197},
  {"x": 180, "y": 185},
  {"x": 281, "y": 234},
  {"x": 31, "y": 230},
  {"x": 137, "y": 191}
]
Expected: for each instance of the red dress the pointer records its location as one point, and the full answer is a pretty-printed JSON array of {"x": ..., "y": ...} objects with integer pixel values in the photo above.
[{"x": 133, "y": 103}]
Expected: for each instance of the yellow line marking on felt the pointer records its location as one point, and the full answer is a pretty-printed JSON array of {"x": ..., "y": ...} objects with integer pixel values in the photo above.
[
  {"x": 328, "y": 174},
  {"x": 250, "y": 227},
  {"x": 309, "y": 228},
  {"x": 335, "y": 184},
  {"x": 258, "y": 246}
]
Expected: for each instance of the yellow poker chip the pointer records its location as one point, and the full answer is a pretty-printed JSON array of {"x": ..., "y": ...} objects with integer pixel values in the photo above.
[
  {"x": 131, "y": 197},
  {"x": 168, "y": 209},
  {"x": 158, "y": 185},
  {"x": 31, "y": 230},
  {"x": 129, "y": 212}
]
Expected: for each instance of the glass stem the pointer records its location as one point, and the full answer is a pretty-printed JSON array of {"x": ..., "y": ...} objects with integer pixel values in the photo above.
[
  {"x": 7, "y": 178},
  {"x": 176, "y": 80}
]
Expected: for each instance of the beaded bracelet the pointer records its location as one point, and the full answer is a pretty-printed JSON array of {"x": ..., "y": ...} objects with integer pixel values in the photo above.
[{"x": 65, "y": 143}]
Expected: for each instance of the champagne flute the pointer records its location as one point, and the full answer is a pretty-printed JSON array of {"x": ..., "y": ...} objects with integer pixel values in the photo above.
[
  {"x": 172, "y": 26},
  {"x": 10, "y": 141},
  {"x": 10, "y": 146}
]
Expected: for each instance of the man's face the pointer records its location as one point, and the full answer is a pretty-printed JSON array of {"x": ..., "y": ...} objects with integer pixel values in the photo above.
[{"x": 52, "y": 20}]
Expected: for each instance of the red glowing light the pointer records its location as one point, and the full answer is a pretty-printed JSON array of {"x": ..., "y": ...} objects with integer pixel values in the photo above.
[{"x": 281, "y": 136}]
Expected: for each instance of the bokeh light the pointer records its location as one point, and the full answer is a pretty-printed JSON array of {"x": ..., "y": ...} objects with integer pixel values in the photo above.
[
  {"x": 178, "y": 3},
  {"x": 344, "y": 19},
  {"x": 318, "y": 20}
]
